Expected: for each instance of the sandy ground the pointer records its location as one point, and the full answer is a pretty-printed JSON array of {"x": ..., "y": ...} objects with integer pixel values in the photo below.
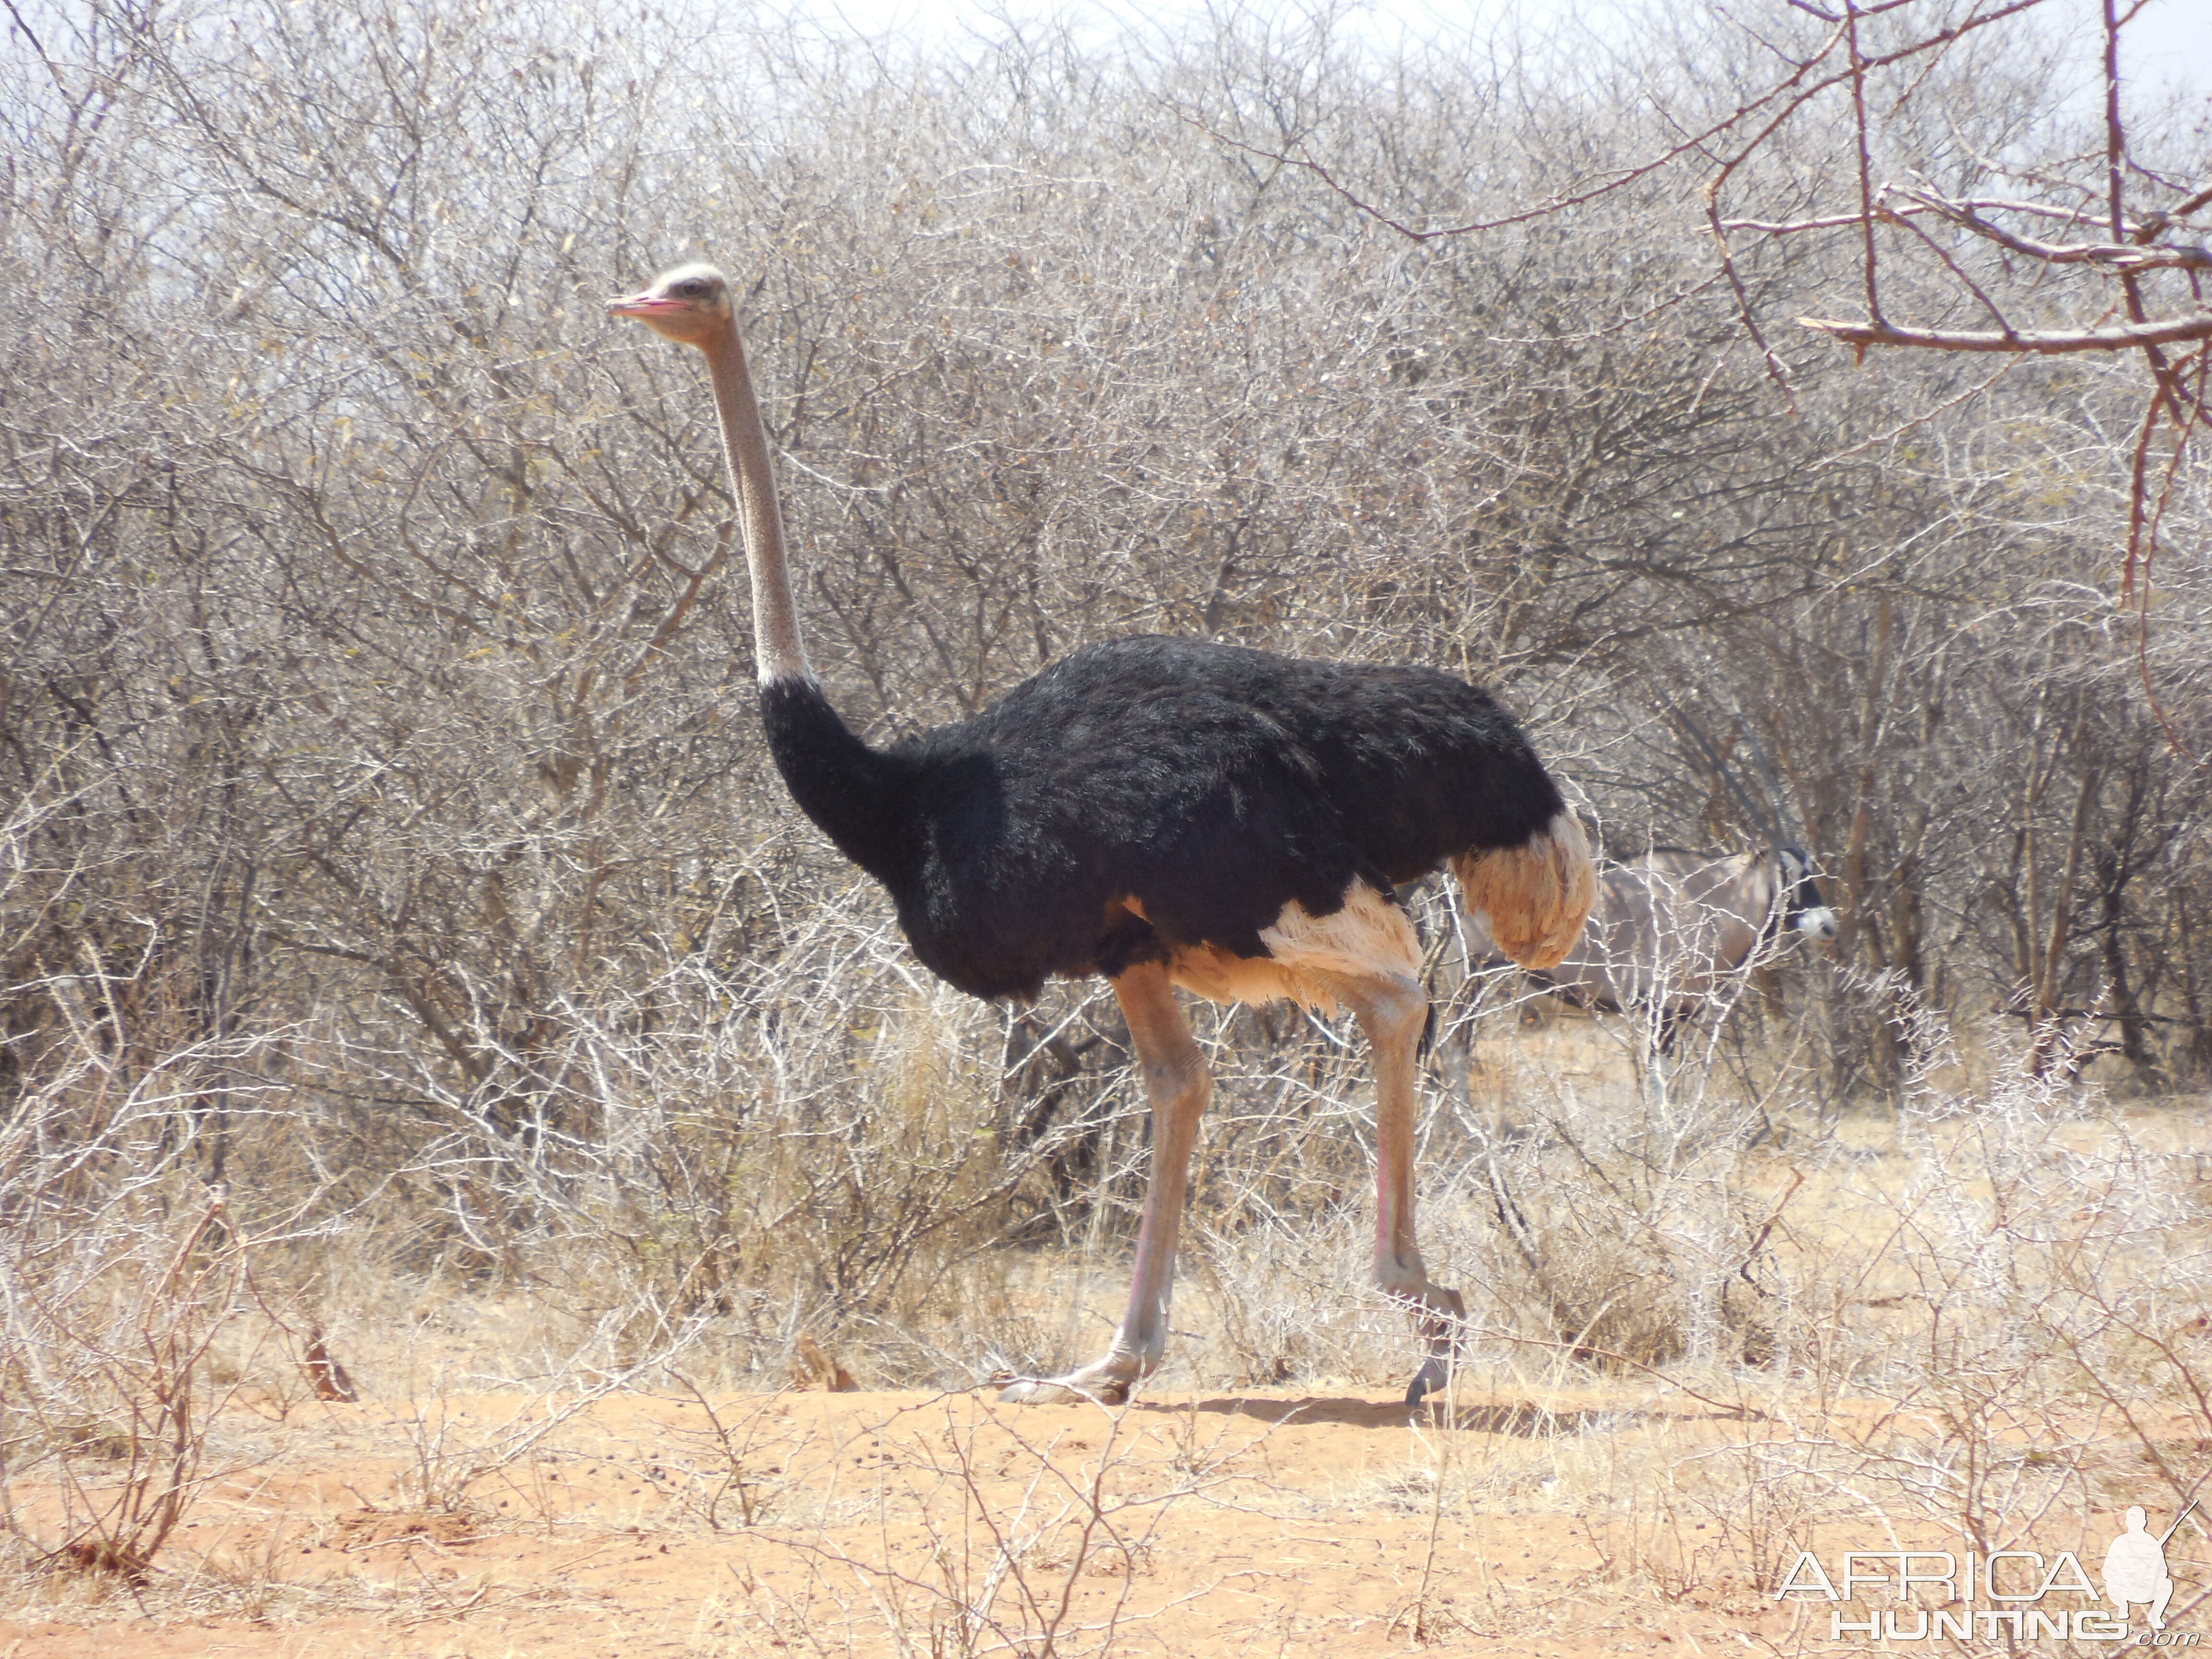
[
  {"x": 1539, "y": 1520},
  {"x": 1267, "y": 1522}
]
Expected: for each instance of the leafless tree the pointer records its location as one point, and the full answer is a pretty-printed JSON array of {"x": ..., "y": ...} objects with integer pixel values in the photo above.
[{"x": 373, "y": 711}]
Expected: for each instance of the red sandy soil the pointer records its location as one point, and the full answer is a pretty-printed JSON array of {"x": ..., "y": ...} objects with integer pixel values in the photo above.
[{"x": 1267, "y": 1521}]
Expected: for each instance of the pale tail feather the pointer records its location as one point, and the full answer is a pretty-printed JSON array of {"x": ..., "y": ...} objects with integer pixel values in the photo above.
[{"x": 1537, "y": 895}]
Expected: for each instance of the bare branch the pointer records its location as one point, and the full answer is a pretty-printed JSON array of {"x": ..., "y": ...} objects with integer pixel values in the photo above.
[
  {"x": 2130, "y": 336},
  {"x": 1795, "y": 226},
  {"x": 2114, "y": 256}
]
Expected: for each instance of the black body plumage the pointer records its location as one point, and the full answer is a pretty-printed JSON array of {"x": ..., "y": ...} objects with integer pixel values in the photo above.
[{"x": 1211, "y": 783}]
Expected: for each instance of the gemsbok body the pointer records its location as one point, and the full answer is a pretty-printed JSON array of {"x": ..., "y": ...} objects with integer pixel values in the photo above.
[{"x": 1671, "y": 927}]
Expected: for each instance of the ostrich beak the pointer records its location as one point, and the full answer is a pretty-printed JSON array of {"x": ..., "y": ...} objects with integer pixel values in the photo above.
[{"x": 647, "y": 304}]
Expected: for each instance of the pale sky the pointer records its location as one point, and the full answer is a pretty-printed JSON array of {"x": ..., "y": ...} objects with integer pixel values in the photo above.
[{"x": 2173, "y": 40}]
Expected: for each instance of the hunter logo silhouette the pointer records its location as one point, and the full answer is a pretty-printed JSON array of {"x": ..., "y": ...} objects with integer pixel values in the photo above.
[{"x": 2135, "y": 1568}]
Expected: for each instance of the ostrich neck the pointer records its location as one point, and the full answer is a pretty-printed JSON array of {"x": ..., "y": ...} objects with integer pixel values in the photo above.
[
  {"x": 777, "y": 647},
  {"x": 858, "y": 796}
]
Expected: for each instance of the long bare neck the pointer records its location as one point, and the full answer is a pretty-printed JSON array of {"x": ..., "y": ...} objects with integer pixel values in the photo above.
[{"x": 776, "y": 644}]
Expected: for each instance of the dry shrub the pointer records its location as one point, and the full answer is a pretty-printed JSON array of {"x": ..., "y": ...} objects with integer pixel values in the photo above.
[
  {"x": 999, "y": 1528},
  {"x": 120, "y": 1279},
  {"x": 2027, "y": 1268},
  {"x": 808, "y": 1140},
  {"x": 1627, "y": 1223}
]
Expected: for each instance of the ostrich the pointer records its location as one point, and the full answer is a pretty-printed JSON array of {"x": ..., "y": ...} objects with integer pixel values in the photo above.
[{"x": 1167, "y": 812}]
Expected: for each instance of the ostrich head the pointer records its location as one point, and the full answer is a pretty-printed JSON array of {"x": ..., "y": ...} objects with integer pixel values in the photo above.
[{"x": 688, "y": 305}]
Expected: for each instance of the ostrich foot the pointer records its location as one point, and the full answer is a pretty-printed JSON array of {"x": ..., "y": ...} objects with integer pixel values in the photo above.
[
  {"x": 1108, "y": 1383},
  {"x": 1429, "y": 1379},
  {"x": 1443, "y": 1315}
]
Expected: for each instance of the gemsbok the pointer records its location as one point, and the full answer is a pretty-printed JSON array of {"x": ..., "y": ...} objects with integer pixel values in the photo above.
[{"x": 1672, "y": 927}]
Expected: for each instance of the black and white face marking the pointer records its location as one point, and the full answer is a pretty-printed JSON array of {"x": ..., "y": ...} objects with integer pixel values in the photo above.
[{"x": 1804, "y": 910}]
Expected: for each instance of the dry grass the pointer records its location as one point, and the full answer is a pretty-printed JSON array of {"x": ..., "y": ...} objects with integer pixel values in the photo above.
[{"x": 1712, "y": 1323}]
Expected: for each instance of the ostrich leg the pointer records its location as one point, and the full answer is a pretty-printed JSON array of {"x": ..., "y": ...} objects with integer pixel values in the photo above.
[
  {"x": 1392, "y": 1010},
  {"x": 1177, "y": 1083}
]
